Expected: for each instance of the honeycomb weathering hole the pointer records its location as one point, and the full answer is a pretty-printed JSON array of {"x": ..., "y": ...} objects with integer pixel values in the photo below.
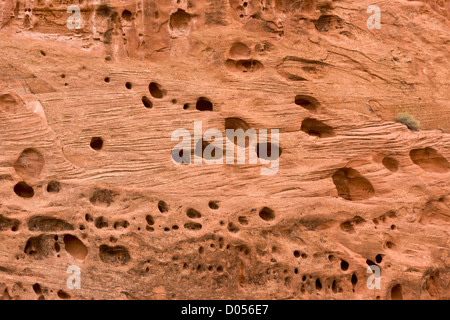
[
  {"x": 150, "y": 220},
  {"x": 239, "y": 50},
  {"x": 193, "y": 214},
  {"x": 6, "y": 223},
  {"x": 126, "y": 15},
  {"x": 63, "y": 295},
  {"x": 53, "y": 187},
  {"x": 317, "y": 128},
  {"x": 155, "y": 90},
  {"x": 75, "y": 247},
  {"x": 96, "y": 143},
  {"x": 146, "y": 102},
  {"x": 22, "y": 189},
  {"x": 429, "y": 160},
  {"x": 9, "y": 103},
  {"x": 47, "y": 224},
  {"x": 267, "y": 214},
  {"x": 326, "y": 23},
  {"x": 351, "y": 185},
  {"x": 248, "y": 65},
  {"x": 117, "y": 255},
  {"x": 162, "y": 206},
  {"x": 396, "y": 292},
  {"x": 235, "y": 124},
  {"x": 390, "y": 163},
  {"x": 203, "y": 104},
  {"x": 344, "y": 265},
  {"x": 213, "y": 205},
  {"x": 179, "y": 22},
  {"x": 192, "y": 226},
  {"x": 37, "y": 288},
  {"x": 309, "y": 103},
  {"x": 29, "y": 164},
  {"x": 103, "y": 10}
]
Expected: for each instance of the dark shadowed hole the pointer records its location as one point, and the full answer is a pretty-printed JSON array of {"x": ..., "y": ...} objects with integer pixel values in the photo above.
[
  {"x": 234, "y": 123},
  {"x": 396, "y": 292},
  {"x": 192, "y": 226},
  {"x": 306, "y": 102},
  {"x": 126, "y": 15},
  {"x": 318, "y": 284},
  {"x": 162, "y": 206},
  {"x": 155, "y": 90},
  {"x": 213, "y": 205},
  {"x": 150, "y": 220},
  {"x": 96, "y": 143},
  {"x": 334, "y": 286},
  {"x": 379, "y": 258},
  {"x": 203, "y": 104},
  {"x": 370, "y": 263},
  {"x": 75, "y": 247},
  {"x": 344, "y": 265},
  {"x": 317, "y": 128},
  {"x": 354, "y": 280},
  {"x": 128, "y": 85},
  {"x": 22, "y": 189},
  {"x": 63, "y": 295},
  {"x": 147, "y": 103},
  {"x": 53, "y": 187},
  {"x": 243, "y": 220},
  {"x": 103, "y": 10},
  {"x": 267, "y": 214},
  {"x": 179, "y": 20},
  {"x": 107, "y": 79},
  {"x": 37, "y": 288},
  {"x": 390, "y": 163},
  {"x": 193, "y": 214}
]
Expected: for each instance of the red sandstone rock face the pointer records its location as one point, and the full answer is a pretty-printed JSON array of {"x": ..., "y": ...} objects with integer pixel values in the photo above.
[{"x": 87, "y": 179}]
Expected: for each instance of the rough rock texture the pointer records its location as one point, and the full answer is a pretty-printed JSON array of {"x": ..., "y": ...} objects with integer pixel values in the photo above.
[{"x": 86, "y": 176}]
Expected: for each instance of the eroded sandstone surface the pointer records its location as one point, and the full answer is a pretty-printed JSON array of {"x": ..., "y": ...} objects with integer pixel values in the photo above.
[{"x": 87, "y": 178}]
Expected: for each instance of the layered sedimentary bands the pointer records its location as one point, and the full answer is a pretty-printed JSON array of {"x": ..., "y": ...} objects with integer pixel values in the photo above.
[{"x": 87, "y": 178}]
